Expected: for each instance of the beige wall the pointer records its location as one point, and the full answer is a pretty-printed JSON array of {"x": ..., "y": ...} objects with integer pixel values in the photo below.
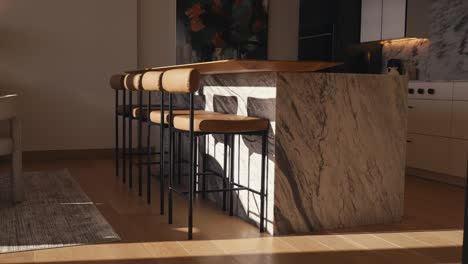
[
  {"x": 59, "y": 54},
  {"x": 283, "y": 33},
  {"x": 157, "y": 33}
]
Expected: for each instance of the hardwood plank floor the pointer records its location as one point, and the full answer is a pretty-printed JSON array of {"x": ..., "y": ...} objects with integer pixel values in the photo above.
[{"x": 431, "y": 231}]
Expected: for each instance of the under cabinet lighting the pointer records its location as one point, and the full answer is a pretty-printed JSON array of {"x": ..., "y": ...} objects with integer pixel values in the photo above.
[{"x": 388, "y": 41}]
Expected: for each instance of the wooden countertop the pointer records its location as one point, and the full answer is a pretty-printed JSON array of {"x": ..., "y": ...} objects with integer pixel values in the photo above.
[{"x": 244, "y": 66}]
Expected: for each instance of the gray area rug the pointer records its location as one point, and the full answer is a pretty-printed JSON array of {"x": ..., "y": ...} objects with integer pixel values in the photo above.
[{"x": 56, "y": 213}]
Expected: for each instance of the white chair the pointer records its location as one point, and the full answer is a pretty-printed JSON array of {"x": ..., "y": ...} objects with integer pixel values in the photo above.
[{"x": 11, "y": 145}]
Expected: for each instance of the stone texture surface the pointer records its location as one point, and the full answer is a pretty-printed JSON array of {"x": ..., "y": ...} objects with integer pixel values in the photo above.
[
  {"x": 248, "y": 94},
  {"x": 445, "y": 55},
  {"x": 336, "y": 151},
  {"x": 340, "y": 151}
]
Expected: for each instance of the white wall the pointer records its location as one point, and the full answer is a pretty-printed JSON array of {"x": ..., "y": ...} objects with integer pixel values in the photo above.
[
  {"x": 283, "y": 32},
  {"x": 157, "y": 33},
  {"x": 59, "y": 55}
]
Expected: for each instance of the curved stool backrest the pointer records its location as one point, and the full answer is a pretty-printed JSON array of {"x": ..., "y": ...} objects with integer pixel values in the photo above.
[
  {"x": 181, "y": 81},
  {"x": 152, "y": 81},
  {"x": 117, "y": 82}
]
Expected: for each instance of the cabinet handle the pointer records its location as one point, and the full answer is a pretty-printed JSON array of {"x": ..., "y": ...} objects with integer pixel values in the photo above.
[
  {"x": 409, "y": 141},
  {"x": 410, "y": 107}
]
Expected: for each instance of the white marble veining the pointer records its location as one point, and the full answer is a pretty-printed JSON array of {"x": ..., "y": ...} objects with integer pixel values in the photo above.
[
  {"x": 445, "y": 56},
  {"x": 247, "y": 95},
  {"x": 340, "y": 151},
  {"x": 336, "y": 152}
]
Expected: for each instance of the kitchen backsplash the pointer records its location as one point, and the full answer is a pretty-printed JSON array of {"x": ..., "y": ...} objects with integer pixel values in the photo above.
[{"x": 445, "y": 55}]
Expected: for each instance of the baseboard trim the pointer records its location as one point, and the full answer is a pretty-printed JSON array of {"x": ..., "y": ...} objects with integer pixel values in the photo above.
[
  {"x": 438, "y": 177},
  {"x": 74, "y": 154},
  {"x": 77, "y": 154}
]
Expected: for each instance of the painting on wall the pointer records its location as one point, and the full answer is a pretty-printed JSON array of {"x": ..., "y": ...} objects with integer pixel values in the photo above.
[{"x": 209, "y": 30}]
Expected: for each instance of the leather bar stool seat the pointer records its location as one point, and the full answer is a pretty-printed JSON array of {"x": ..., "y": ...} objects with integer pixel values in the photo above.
[
  {"x": 133, "y": 110},
  {"x": 155, "y": 116},
  {"x": 221, "y": 123}
]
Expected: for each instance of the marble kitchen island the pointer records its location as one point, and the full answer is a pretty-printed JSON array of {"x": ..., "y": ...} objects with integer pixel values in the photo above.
[{"x": 336, "y": 146}]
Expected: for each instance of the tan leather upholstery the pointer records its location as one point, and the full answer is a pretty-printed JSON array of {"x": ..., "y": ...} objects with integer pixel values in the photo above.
[
  {"x": 132, "y": 110},
  {"x": 181, "y": 81},
  {"x": 132, "y": 82},
  {"x": 223, "y": 123},
  {"x": 152, "y": 81},
  {"x": 155, "y": 116},
  {"x": 117, "y": 82},
  {"x": 136, "y": 112}
]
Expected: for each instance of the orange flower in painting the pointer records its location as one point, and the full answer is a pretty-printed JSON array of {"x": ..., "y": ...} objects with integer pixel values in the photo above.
[
  {"x": 196, "y": 24},
  {"x": 238, "y": 2},
  {"x": 257, "y": 26},
  {"x": 195, "y": 11},
  {"x": 218, "y": 40},
  {"x": 217, "y": 6}
]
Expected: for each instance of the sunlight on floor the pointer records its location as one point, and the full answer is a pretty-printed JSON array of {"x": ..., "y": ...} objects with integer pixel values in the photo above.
[
  {"x": 312, "y": 244},
  {"x": 185, "y": 230}
]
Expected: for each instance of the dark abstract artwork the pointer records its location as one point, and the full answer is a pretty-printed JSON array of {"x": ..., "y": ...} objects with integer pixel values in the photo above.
[{"x": 209, "y": 30}]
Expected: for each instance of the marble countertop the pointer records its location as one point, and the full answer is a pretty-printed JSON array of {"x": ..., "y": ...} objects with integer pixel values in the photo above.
[
  {"x": 244, "y": 66},
  {"x": 416, "y": 81}
]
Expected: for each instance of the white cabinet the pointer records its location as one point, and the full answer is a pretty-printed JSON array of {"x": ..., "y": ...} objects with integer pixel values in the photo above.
[
  {"x": 438, "y": 127},
  {"x": 371, "y": 20},
  {"x": 431, "y": 90},
  {"x": 428, "y": 153},
  {"x": 460, "y": 91},
  {"x": 429, "y": 117},
  {"x": 393, "y": 19},
  {"x": 458, "y": 157},
  {"x": 460, "y": 120}
]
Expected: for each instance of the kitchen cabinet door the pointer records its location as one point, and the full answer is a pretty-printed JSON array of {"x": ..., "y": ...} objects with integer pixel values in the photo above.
[
  {"x": 393, "y": 19},
  {"x": 460, "y": 119},
  {"x": 371, "y": 20},
  {"x": 429, "y": 153},
  {"x": 460, "y": 91},
  {"x": 458, "y": 157},
  {"x": 430, "y": 117}
]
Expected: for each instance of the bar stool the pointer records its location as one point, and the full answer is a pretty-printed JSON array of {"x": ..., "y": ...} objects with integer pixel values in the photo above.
[
  {"x": 186, "y": 81},
  {"x": 151, "y": 81},
  {"x": 117, "y": 83},
  {"x": 129, "y": 112}
]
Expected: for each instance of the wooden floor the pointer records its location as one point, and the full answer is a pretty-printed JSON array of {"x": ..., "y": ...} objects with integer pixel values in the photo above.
[{"x": 431, "y": 231}]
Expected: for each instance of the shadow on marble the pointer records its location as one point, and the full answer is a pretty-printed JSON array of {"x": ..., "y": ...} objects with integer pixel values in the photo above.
[
  {"x": 183, "y": 101},
  {"x": 225, "y": 104},
  {"x": 261, "y": 107}
]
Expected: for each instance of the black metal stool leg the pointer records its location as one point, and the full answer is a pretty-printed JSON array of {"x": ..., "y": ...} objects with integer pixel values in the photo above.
[
  {"x": 130, "y": 141},
  {"x": 117, "y": 156},
  {"x": 262, "y": 187},
  {"x": 205, "y": 163},
  {"x": 171, "y": 157},
  {"x": 124, "y": 138},
  {"x": 148, "y": 145},
  {"x": 225, "y": 172},
  {"x": 161, "y": 157},
  {"x": 195, "y": 153},
  {"x": 179, "y": 159},
  {"x": 140, "y": 145},
  {"x": 231, "y": 176},
  {"x": 191, "y": 172}
]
